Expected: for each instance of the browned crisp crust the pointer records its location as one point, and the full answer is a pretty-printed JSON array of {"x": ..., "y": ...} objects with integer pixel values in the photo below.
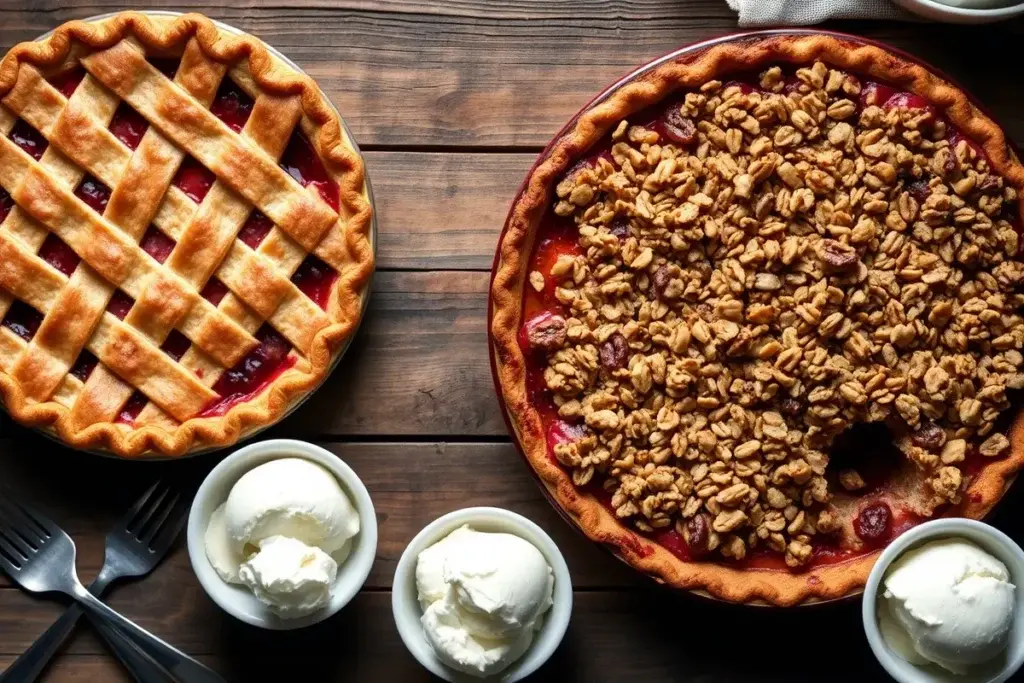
[
  {"x": 322, "y": 126},
  {"x": 824, "y": 582}
]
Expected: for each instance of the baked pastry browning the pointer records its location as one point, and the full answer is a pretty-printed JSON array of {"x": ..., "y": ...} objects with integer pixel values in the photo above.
[
  {"x": 186, "y": 234},
  {"x": 729, "y": 263}
]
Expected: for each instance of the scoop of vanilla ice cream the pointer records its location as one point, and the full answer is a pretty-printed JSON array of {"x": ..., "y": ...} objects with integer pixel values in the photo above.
[
  {"x": 291, "y": 578},
  {"x": 948, "y": 602},
  {"x": 483, "y": 596},
  {"x": 284, "y": 528},
  {"x": 290, "y": 497}
]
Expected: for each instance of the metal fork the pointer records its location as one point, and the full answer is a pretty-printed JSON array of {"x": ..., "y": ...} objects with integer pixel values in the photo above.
[
  {"x": 40, "y": 556},
  {"x": 135, "y": 545}
]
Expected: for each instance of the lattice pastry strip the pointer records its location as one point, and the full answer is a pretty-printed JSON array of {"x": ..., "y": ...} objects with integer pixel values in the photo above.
[
  {"x": 94, "y": 148},
  {"x": 160, "y": 122}
]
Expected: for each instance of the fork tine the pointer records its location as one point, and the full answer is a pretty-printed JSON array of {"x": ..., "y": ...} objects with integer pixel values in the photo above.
[
  {"x": 12, "y": 549},
  {"x": 46, "y": 526},
  {"x": 17, "y": 521},
  {"x": 171, "y": 526},
  {"x": 9, "y": 559},
  {"x": 129, "y": 520},
  {"x": 153, "y": 524}
]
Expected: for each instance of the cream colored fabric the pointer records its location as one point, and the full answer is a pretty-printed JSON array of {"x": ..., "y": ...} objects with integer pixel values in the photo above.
[{"x": 802, "y": 12}]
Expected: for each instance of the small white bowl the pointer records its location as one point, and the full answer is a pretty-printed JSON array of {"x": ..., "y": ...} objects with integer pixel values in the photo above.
[
  {"x": 406, "y": 607},
  {"x": 939, "y": 11},
  {"x": 988, "y": 538},
  {"x": 238, "y": 601}
]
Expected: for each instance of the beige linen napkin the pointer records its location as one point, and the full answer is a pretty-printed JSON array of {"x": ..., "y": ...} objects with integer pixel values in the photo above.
[{"x": 801, "y": 12}]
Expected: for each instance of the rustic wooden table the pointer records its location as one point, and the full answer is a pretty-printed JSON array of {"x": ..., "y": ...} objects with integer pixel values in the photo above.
[{"x": 451, "y": 102}]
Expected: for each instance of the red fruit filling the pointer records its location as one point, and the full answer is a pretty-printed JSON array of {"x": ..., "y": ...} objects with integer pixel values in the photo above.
[
  {"x": 253, "y": 373},
  {"x": 94, "y": 193},
  {"x": 59, "y": 255},
  {"x": 22, "y": 320},
  {"x": 176, "y": 345},
  {"x": 132, "y": 408},
  {"x": 29, "y": 139},
  {"x": 6, "y": 204},
  {"x": 68, "y": 81},
  {"x": 120, "y": 304},
  {"x": 315, "y": 279},
  {"x": 232, "y": 105},
  {"x": 157, "y": 244},
  {"x": 873, "y": 524},
  {"x": 194, "y": 179},
  {"x": 255, "y": 229},
  {"x": 128, "y": 126},
  {"x": 302, "y": 163},
  {"x": 166, "y": 65},
  {"x": 84, "y": 365},
  {"x": 214, "y": 292}
]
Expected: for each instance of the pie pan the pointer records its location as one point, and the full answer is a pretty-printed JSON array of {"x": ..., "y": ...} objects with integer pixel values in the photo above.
[
  {"x": 363, "y": 301},
  {"x": 636, "y": 92}
]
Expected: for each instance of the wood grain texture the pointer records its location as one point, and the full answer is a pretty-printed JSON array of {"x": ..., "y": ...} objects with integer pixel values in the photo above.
[
  {"x": 616, "y": 636},
  {"x": 475, "y": 73},
  {"x": 411, "y": 485},
  {"x": 442, "y": 211},
  {"x": 418, "y": 365}
]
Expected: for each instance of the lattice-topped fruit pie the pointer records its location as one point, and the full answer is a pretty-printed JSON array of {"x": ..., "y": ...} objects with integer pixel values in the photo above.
[
  {"x": 758, "y": 311},
  {"x": 185, "y": 236}
]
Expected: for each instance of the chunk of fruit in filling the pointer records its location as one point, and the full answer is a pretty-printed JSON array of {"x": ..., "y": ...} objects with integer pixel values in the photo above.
[
  {"x": 59, "y": 255},
  {"x": 232, "y": 105},
  {"x": 301, "y": 162},
  {"x": 194, "y": 179},
  {"x": 252, "y": 374},
  {"x": 94, "y": 193},
  {"x": 544, "y": 315},
  {"x": 23, "y": 320},
  {"x": 315, "y": 279},
  {"x": 157, "y": 244},
  {"x": 128, "y": 126},
  {"x": 29, "y": 139}
]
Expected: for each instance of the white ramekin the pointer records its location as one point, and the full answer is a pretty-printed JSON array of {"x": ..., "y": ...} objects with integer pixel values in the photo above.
[
  {"x": 238, "y": 601},
  {"x": 939, "y": 11},
  {"x": 989, "y": 539},
  {"x": 406, "y": 606}
]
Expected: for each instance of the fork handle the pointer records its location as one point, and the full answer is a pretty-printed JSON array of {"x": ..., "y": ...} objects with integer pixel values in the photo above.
[
  {"x": 177, "y": 663},
  {"x": 30, "y": 665}
]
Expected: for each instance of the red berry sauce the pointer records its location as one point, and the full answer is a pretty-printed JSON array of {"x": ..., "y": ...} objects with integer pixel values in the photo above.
[
  {"x": 22, "y": 320},
  {"x": 194, "y": 179},
  {"x": 59, "y": 255},
  {"x": 176, "y": 345},
  {"x": 132, "y": 408},
  {"x": 84, "y": 365},
  {"x": 157, "y": 244},
  {"x": 29, "y": 139},
  {"x": 128, "y": 126},
  {"x": 316, "y": 280},
  {"x": 6, "y": 204},
  {"x": 120, "y": 304},
  {"x": 94, "y": 193},
  {"x": 253, "y": 373},
  {"x": 255, "y": 229},
  {"x": 214, "y": 292},
  {"x": 302, "y": 163},
  {"x": 68, "y": 81},
  {"x": 232, "y": 105}
]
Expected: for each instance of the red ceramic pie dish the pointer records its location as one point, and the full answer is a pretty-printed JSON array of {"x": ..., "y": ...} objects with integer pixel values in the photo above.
[{"x": 868, "y": 510}]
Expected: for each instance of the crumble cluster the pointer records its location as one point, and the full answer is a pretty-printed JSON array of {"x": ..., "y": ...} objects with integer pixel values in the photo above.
[{"x": 762, "y": 269}]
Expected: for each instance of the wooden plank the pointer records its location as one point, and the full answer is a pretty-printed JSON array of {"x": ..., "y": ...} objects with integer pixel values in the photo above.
[
  {"x": 646, "y": 635},
  {"x": 411, "y": 485},
  {"x": 471, "y": 73},
  {"x": 418, "y": 365},
  {"x": 442, "y": 211}
]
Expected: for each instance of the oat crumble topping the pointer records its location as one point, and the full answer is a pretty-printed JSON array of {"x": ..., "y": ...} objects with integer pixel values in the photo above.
[{"x": 771, "y": 268}]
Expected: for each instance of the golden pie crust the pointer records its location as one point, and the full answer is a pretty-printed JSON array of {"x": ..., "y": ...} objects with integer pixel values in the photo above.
[
  {"x": 35, "y": 384},
  {"x": 746, "y": 54}
]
